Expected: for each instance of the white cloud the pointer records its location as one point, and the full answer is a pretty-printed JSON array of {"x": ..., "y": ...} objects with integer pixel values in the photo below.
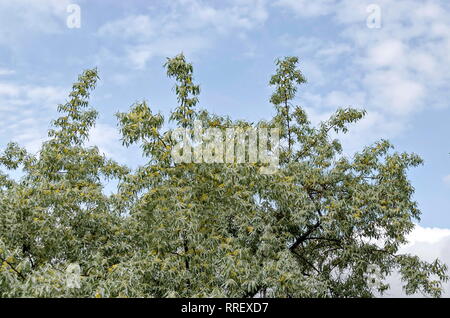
[
  {"x": 386, "y": 53},
  {"x": 140, "y": 54},
  {"x": 393, "y": 72},
  {"x": 326, "y": 51},
  {"x": 183, "y": 25},
  {"x": 48, "y": 96},
  {"x": 337, "y": 99},
  {"x": 140, "y": 26},
  {"x": 226, "y": 17},
  {"x": 446, "y": 179},
  {"x": 24, "y": 111},
  {"x": 28, "y": 17},
  {"x": 307, "y": 8},
  {"x": 429, "y": 244},
  {"x": 107, "y": 138},
  {"x": 8, "y": 90},
  {"x": 13, "y": 95},
  {"x": 394, "y": 92},
  {"x": 426, "y": 235},
  {"x": 5, "y": 71}
]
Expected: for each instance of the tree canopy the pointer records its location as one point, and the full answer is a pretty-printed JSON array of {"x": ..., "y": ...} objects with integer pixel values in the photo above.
[{"x": 314, "y": 228}]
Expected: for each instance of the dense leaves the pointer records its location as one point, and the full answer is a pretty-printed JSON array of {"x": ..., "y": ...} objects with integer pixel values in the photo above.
[{"x": 315, "y": 228}]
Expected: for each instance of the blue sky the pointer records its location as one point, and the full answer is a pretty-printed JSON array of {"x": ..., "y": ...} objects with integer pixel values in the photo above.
[{"x": 399, "y": 73}]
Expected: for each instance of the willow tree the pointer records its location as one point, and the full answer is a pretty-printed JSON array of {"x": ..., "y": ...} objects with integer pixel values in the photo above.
[{"x": 317, "y": 227}]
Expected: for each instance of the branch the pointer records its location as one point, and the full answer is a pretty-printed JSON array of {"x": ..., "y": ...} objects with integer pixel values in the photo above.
[
  {"x": 13, "y": 268},
  {"x": 306, "y": 261},
  {"x": 303, "y": 238}
]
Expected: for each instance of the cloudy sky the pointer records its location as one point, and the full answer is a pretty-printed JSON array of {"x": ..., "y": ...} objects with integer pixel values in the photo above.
[{"x": 396, "y": 67}]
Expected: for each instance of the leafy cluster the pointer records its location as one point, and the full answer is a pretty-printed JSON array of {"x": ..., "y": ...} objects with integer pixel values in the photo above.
[{"x": 315, "y": 228}]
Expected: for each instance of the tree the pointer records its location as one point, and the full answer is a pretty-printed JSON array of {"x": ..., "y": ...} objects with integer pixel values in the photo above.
[{"x": 315, "y": 228}]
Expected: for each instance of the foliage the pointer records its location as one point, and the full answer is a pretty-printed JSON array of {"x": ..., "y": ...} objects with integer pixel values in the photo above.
[{"x": 313, "y": 229}]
